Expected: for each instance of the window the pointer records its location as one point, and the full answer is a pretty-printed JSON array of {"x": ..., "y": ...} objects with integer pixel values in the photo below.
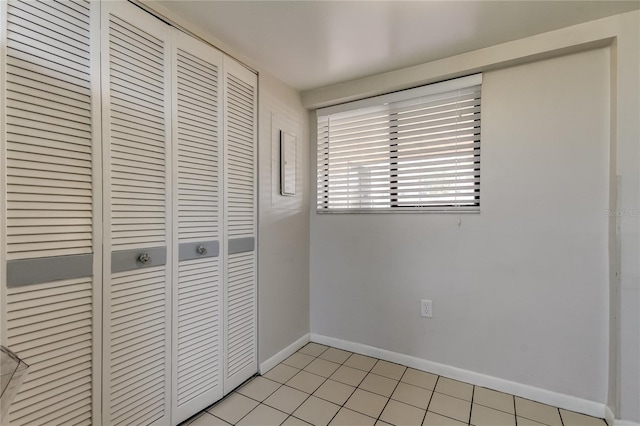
[{"x": 414, "y": 150}]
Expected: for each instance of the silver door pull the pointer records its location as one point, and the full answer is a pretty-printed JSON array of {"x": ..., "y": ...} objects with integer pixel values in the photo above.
[
  {"x": 201, "y": 249},
  {"x": 144, "y": 258}
]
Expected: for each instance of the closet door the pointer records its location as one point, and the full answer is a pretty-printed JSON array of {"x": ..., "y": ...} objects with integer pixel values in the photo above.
[
  {"x": 50, "y": 203},
  {"x": 137, "y": 218},
  {"x": 197, "y": 272},
  {"x": 240, "y": 302}
]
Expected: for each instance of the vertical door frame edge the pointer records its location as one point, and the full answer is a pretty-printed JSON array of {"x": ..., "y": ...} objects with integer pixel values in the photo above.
[
  {"x": 105, "y": 99},
  {"x": 97, "y": 230},
  {"x": 3, "y": 173}
]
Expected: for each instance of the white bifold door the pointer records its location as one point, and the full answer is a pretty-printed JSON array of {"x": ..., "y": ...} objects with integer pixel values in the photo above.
[
  {"x": 197, "y": 346},
  {"x": 50, "y": 233},
  {"x": 128, "y": 225},
  {"x": 136, "y": 113}
]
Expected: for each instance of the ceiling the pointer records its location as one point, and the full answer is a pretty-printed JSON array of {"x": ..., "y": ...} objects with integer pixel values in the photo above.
[{"x": 310, "y": 44}]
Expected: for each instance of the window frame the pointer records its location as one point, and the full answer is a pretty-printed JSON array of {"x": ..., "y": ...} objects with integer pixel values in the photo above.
[{"x": 395, "y": 204}]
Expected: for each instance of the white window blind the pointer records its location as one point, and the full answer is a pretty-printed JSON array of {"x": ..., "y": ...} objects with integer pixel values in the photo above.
[{"x": 414, "y": 150}]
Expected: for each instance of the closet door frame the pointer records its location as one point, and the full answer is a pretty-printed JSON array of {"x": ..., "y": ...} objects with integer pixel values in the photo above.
[
  {"x": 98, "y": 229},
  {"x": 3, "y": 173},
  {"x": 162, "y": 31}
]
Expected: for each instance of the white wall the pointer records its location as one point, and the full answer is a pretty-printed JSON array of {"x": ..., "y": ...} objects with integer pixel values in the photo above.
[
  {"x": 283, "y": 253},
  {"x": 520, "y": 291},
  {"x": 622, "y": 34}
]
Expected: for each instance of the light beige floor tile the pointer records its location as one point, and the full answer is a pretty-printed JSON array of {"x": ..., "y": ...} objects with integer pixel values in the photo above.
[
  {"x": 259, "y": 388},
  {"x": 346, "y": 417},
  {"x": 207, "y": 419},
  {"x": 538, "y": 412},
  {"x": 366, "y": 403},
  {"x": 298, "y": 360},
  {"x": 360, "y": 362},
  {"x": 389, "y": 369},
  {"x": 485, "y": 416},
  {"x": 378, "y": 384},
  {"x": 335, "y": 392},
  {"x": 306, "y": 382},
  {"x": 381, "y": 423},
  {"x": 317, "y": 411},
  {"x": 292, "y": 421},
  {"x": 454, "y": 388},
  {"x": 494, "y": 399},
  {"x": 263, "y": 416},
  {"x": 281, "y": 373},
  {"x": 233, "y": 408},
  {"x": 348, "y": 375},
  {"x": 412, "y": 395},
  {"x": 313, "y": 349},
  {"x": 449, "y": 406},
  {"x": 433, "y": 419},
  {"x": 322, "y": 367},
  {"x": 569, "y": 418},
  {"x": 335, "y": 355},
  {"x": 526, "y": 422},
  {"x": 419, "y": 378},
  {"x": 400, "y": 414},
  {"x": 286, "y": 399}
]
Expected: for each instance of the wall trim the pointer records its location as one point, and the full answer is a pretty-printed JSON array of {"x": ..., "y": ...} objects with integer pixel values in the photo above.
[
  {"x": 576, "y": 38},
  {"x": 624, "y": 423},
  {"x": 609, "y": 417},
  {"x": 560, "y": 400},
  {"x": 284, "y": 354}
]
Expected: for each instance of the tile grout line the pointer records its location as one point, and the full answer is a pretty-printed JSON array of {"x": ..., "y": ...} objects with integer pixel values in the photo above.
[
  {"x": 309, "y": 396},
  {"x": 259, "y": 402},
  {"x": 430, "y": 398},
  {"x": 394, "y": 389},
  {"x": 473, "y": 393},
  {"x": 326, "y": 379},
  {"x": 354, "y": 390}
]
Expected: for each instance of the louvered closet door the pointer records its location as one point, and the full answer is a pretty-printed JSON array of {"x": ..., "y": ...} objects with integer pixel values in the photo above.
[
  {"x": 197, "y": 271},
  {"x": 137, "y": 243},
  {"x": 240, "y": 224},
  {"x": 50, "y": 205}
]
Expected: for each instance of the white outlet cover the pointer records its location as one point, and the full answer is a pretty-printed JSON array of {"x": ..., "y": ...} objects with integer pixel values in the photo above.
[{"x": 426, "y": 308}]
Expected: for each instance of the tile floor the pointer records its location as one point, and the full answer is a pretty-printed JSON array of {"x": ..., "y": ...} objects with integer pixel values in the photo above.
[{"x": 320, "y": 385}]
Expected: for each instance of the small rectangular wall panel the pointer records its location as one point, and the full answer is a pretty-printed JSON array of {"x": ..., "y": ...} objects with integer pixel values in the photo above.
[
  {"x": 197, "y": 316},
  {"x": 50, "y": 89},
  {"x": 240, "y": 220},
  {"x": 137, "y": 302}
]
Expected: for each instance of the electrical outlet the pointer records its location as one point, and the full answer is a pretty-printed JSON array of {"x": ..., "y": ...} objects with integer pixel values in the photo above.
[{"x": 426, "y": 308}]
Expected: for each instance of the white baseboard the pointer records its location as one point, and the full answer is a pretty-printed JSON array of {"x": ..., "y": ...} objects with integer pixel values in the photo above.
[
  {"x": 284, "y": 354},
  {"x": 609, "y": 417},
  {"x": 556, "y": 399},
  {"x": 624, "y": 423}
]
